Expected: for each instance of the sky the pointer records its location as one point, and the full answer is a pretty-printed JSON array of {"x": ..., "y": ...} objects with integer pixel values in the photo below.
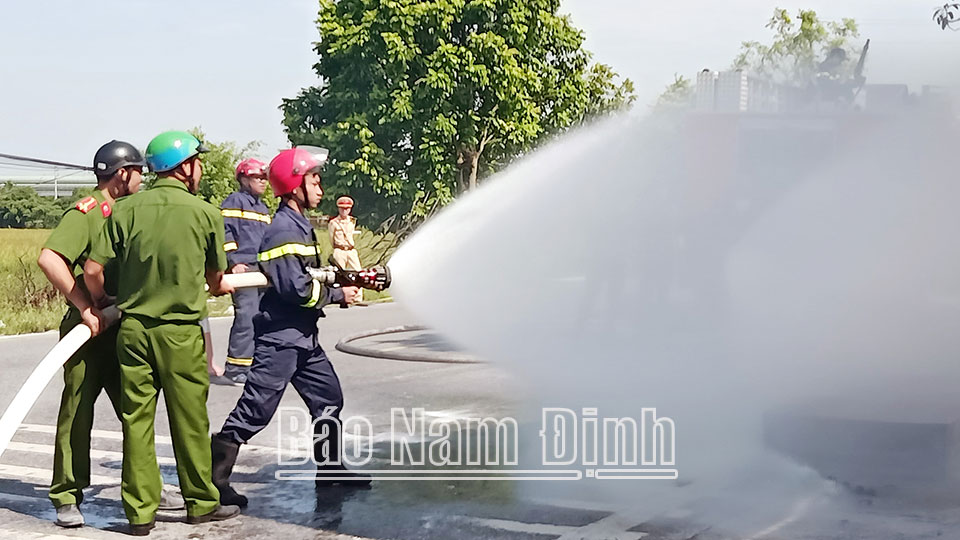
[{"x": 74, "y": 75}]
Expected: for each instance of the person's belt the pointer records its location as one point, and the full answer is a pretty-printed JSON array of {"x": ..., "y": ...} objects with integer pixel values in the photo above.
[{"x": 344, "y": 248}]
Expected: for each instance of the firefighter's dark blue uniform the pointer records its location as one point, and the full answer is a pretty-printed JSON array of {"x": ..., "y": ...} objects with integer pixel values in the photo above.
[
  {"x": 287, "y": 344},
  {"x": 245, "y": 220}
]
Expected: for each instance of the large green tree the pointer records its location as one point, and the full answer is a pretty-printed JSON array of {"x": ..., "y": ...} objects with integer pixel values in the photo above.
[{"x": 421, "y": 99}]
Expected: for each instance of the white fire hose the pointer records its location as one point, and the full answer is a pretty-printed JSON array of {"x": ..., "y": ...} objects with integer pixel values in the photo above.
[{"x": 62, "y": 351}]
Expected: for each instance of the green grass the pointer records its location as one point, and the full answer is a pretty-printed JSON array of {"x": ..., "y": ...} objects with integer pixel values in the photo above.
[{"x": 28, "y": 303}]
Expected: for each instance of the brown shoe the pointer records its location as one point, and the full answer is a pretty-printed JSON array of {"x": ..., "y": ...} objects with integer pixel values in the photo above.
[
  {"x": 222, "y": 512},
  {"x": 142, "y": 529}
]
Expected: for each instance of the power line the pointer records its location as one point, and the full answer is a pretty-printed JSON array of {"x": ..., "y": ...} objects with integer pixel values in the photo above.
[
  {"x": 58, "y": 178},
  {"x": 46, "y": 162},
  {"x": 19, "y": 169}
]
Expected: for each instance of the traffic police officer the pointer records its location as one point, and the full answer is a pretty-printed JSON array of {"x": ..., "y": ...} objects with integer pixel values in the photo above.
[
  {"x": 167, "y": 243},
  {"x": 245, "y": 218},
  {"x": 287, "y": 349},
  {"x": 118, "y": 167},
  {"x": 341, "y": 229}
]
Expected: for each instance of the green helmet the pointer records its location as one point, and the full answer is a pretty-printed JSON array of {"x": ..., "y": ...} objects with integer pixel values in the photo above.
[{"x": 169, "y": 149}]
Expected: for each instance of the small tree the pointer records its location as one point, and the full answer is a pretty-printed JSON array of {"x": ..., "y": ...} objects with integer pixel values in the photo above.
[
  {"x": 677, "y": 95},
  {"x": 799, "y": 46},
  {"x": 219, "y": 168},
  {"x": 801, "y": 49},
  {"x": 947, "y": 15}
]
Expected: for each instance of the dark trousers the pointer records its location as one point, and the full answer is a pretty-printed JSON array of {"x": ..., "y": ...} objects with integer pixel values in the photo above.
[
  {"x": 246, "y": 303},
  {"x": 311, "y": 374}
]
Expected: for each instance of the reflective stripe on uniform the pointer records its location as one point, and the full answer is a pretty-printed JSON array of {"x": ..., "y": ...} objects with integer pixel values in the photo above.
[
  {"x": 314, "y": 295},
  {"x": 245, "y": 214},
  {"x": 288, "y": 249},
  {"x": 246, "y": 362},
  {"x": 230, "y": 246}
]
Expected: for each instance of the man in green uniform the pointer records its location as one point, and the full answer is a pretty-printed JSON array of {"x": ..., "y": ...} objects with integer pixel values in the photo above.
[
  {"x": 166, "y": 242},
  {"x": 118, "y": 167}
]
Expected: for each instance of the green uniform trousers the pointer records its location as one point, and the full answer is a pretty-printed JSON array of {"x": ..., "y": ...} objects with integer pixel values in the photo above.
[
  {"x": 157, "y": 355},
  {"x": 91, "y": 369}
]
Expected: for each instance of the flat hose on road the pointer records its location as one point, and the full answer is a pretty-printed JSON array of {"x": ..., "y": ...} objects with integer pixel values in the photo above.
[{"x": 346, "y": 345}]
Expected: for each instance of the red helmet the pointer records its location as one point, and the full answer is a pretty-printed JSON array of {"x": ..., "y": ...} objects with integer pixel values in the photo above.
[
  {"x": 344, "y": 202},
  {"x": 286, "y": 171},
  {"x": 251, "y": 167}
]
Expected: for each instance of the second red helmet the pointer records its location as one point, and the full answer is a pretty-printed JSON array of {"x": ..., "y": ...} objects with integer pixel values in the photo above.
[
  {"x": 251, "y": 167},
  {"x": 287, "y": 169}
]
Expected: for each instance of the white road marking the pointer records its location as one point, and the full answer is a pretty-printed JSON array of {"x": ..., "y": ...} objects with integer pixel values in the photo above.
[
  {"x": 519, "y": 526},
  {"x": 20, "y": 535},
  {"x": 613, "y": 526},
  {"x": 799, "y": 509},
  {"x": 618, "y": 524},
  {"x": 48, "y": 449},
  {"x": 44, "y": 475},
  {"x": 600, "y": 530},
  {"x": 118, "y": 436},
  {"x": 95, "y": 433}
]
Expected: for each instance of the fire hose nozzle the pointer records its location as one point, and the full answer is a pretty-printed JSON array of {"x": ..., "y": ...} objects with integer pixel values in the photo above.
[
  {"x": 375, "y": 278},
  {"x": 326, "y": 275}
]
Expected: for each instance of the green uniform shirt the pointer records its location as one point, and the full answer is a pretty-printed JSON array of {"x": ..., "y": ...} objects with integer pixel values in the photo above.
[
  {"x": 164, "y": 239},
  {"x": 73, "y": 238}
]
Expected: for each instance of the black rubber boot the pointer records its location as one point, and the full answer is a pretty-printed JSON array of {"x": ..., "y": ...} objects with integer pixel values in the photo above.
[
  {"x": 224, "y": 453},
  {"x": 333, "y": 474}
]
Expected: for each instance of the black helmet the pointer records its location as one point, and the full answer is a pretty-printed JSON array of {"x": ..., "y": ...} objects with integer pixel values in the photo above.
[{"x": 116, "y": 155}]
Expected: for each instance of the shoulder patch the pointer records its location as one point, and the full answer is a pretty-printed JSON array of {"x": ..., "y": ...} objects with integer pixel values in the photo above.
[
  {"x": 87, "y": 204},
  {"x": 105, "y": 209}
]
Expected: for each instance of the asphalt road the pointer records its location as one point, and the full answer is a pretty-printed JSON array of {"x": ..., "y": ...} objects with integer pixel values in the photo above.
[{"x": 407, "y": 509}]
